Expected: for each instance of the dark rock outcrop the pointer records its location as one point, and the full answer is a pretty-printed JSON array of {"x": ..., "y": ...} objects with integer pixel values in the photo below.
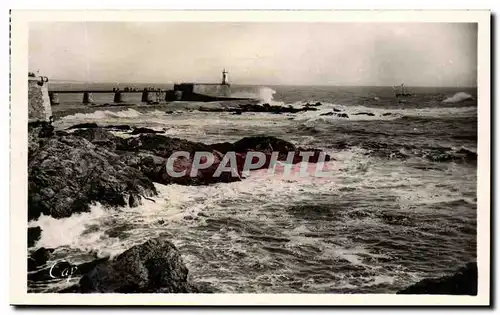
[
  {"x": 365, "y": 113},
  {"x": 98, "y": 136},
  {"x": 150, "y": 154},
  {"x": 84, "y": 125},
  {"x": 118, "y": 127},
  {"x": 274, "y": 109},
  {"x": 34, "y": 234},
  {"x": 153, "y": 267},
  {"x": 463, "y": 282},
  {"x": 66, "y": 174},
  {"x": 328, "y": 114},
  {"x": 267, "y": 145},
  {"x": 141, "y": 130},
  {"x": 39, "y": 258},
  {"x": 36, "y": 131},
  {"x": 335, "y": 113}
]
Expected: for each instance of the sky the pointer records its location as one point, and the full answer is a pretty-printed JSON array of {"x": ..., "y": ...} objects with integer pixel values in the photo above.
[{"x": 366, "y": 54}]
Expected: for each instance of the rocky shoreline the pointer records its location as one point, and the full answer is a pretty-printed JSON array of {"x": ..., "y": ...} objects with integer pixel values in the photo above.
[
  {"x": 70, "y": 170},
  {"x": 462, "y": 282}
]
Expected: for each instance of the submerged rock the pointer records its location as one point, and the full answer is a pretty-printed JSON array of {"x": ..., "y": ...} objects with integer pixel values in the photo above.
[
  {"x": 118, "y": 127},
  {"x": 84, "y": 125},
  {"x": 39, "y": 258},
  {"x": 153, "y": 267},
  {"x": 335, "y": 113},
  {"x": 327, "y": 114},
  {"x": 34, "y": 234},
  {"x": 364, "y": 113},
  {"x": 265, "y": 144},
  {"x": 141, "y": 130},
  {"x": 275, "y": 109},
  {"x": 463, "y": 282}
]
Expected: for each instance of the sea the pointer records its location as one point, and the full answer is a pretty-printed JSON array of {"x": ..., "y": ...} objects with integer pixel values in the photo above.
[{"x": 399, "y": 206}]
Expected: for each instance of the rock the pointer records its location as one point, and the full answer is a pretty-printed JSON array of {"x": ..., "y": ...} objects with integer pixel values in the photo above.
[
  {"x": 222, "y": 147},
  {"x": 317, "y": 104},
  {"x": 463, "y": 282},
  {"x": 153, "y": 267},
  {"x": 337, "y": 110},
  {"x": 335, "y": 113},
  {"x": 141, "y": 130},
  {"x": 36, "y": 132},
  {"x": 94, "y": 134},
  {"x": 215, "y": 110},
  {"x": 69, "y": 173},
  {"x": 39, "y": 258},
  {"x": 118, "y": 127},
  {"x": 84, "y": 125},
  {"x": 468, "y": 156},
  {"x": 160, "y": 145},
  {"x": 149, "y": 154},
  {"x": 264, "y": 144},
  {"x": 34, "y": 234},
  {"x": 61, "y": 133},
  {"x": 134, "y": 200},
  {"x": 266, "y": 108},
  {"x": 98, "y": 136},
  {"x": 364, "y": 113}
]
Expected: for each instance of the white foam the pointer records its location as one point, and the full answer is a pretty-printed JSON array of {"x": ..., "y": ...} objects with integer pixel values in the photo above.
[
  {"x": 103, "y": 114},
  {"x": 381, "y": 113},
  {"x": 458, "y": 97},
  {"x": 263, "y": 94}
]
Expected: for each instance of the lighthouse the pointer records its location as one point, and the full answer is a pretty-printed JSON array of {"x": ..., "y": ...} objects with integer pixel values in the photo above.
[{"x": 224, "y": 77}]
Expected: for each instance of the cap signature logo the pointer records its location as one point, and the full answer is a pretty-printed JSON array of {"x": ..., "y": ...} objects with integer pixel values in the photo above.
[{"x": 62, "y": 269}]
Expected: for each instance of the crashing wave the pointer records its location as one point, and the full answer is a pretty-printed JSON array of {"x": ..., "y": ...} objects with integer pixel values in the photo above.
[{"x": 458, "y": 97}]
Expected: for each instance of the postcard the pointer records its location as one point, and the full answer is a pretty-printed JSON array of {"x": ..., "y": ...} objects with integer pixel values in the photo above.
[{"x": 250, "y": 157}]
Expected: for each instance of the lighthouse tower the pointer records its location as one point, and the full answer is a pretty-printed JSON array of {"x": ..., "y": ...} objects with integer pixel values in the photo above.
[{"x": 224, "y": 77}]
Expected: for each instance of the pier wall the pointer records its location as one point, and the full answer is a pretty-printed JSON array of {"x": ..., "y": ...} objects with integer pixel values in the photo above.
[
  {"x": 39, "y": 108},
  {"x": 216, "y": 90}
]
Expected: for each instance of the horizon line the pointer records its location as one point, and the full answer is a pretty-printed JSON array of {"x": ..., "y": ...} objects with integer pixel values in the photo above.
[{"x": 257, "y": 84}]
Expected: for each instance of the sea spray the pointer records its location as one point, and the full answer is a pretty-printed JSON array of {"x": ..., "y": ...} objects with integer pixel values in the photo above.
[
  {"x": 262, "y": 94},
  {"x": 458, "y": 97}
]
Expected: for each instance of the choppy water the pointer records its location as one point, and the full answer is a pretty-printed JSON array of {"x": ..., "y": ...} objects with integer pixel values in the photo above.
[{"x": 401, "y": 205}]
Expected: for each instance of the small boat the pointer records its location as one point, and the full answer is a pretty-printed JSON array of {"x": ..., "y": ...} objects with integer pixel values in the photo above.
[
  {"x": 402, "y": 91},
  {"x": 401, "y": 94}
]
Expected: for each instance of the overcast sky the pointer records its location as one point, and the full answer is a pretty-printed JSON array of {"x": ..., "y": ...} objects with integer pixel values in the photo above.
[{"x": 421, "y": 54}]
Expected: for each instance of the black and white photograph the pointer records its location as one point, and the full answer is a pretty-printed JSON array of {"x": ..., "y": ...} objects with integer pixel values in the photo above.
[{"x": 255, "y": 156}]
